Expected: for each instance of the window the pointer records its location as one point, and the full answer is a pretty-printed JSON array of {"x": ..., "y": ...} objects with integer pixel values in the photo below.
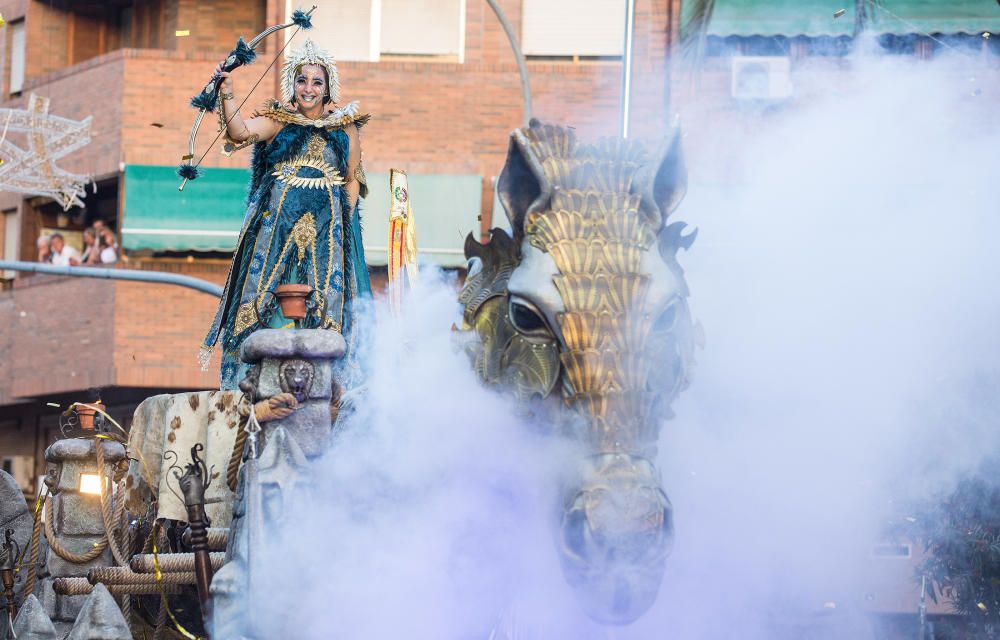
[
  {"x": 17, "y": 56},
  {"x": 573, "y": 28},
  {"x": 423, "y": 28},
  {"x": 348, "y": 30},
  {"x": 367, "y": 30},
  {"x": 11, "y": 239}
]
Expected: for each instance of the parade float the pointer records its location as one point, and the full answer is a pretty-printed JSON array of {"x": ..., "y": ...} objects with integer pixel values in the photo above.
[{"x": 579, "y": 313}]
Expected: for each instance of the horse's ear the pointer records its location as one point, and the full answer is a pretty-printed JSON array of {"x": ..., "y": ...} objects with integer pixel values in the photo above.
[
  {"x": 662, "y": 182},
  {"x": 522, "y": 184}
]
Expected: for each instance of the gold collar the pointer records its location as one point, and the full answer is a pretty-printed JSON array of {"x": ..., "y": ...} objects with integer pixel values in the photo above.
[{"x": 338, "y": 117}]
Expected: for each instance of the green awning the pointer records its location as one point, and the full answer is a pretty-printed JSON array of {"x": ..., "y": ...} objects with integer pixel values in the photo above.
[
  {"x": 446, "y": 208},
  {"x": 901, "y": 17},
  {"x": 206, "y": 216},
  {"x": 819, "y": 17},
  {"x": 778, "y": 17}
]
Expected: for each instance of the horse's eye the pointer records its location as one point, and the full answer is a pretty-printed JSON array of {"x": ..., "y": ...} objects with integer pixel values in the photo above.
[{"x": 526, "y": 318}]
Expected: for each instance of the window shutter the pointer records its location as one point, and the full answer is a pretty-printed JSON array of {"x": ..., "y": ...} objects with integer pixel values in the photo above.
[
  {"x": 573, "y": 27},
  {"x": 422, "y": 27}
]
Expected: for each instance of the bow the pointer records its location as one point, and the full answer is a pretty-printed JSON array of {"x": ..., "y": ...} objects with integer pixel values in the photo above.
[{"x": 243, "y": 54}]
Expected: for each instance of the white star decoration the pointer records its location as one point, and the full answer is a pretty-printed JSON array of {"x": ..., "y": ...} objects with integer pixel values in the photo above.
[{"x": 33, "y": 171}]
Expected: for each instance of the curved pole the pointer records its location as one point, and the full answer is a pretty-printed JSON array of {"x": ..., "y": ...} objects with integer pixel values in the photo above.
[
  {"x": 158, "y": 277},
  {"x": 522, "y": 67},
  {"x": 626, "y": 97}
]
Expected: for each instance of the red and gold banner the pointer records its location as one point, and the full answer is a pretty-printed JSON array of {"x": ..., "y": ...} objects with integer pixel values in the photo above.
[{"x": 402, "y": 238}]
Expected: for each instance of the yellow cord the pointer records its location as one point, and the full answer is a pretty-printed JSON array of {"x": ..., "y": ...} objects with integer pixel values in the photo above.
[{"x": 163, "y": 593}]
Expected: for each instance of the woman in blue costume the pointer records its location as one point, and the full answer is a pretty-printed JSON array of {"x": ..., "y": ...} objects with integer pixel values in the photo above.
[{"x": 302, "y": 224}]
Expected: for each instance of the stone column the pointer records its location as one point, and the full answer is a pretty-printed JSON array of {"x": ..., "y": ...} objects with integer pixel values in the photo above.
[
  {"x": 283, "y": 361},
  {"x": 76, "y": 515}
]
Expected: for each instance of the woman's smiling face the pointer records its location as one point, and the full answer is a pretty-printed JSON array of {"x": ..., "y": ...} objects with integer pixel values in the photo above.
[{"x": 310, "y": 86}]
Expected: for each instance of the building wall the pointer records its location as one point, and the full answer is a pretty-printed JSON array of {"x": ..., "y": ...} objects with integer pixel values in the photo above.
[{"x": 429, "y": 117}]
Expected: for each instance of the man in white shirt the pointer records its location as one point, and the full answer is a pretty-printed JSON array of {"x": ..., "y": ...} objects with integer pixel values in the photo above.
[{"x": 63, "y": 255}]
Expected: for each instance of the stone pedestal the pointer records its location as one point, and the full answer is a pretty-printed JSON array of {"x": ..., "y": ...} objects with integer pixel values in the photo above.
[
  {"x": 76, "y": 516},
  {"x": 299, "y": 362}
]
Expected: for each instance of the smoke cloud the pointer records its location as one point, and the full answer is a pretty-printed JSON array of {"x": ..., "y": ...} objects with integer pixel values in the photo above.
[{"x": 845, "y": 276}]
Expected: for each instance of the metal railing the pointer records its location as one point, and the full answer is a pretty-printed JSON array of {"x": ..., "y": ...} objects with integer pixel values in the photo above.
[{"x": 157, "y": 277}]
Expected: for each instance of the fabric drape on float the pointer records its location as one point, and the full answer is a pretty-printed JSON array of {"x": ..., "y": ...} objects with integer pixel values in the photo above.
[
  {"x": 446, "y": 207},
  {"x": 778, "y": 18},
  {"x": 901, "y": 17},
  {"x": 206, "y": 216}
]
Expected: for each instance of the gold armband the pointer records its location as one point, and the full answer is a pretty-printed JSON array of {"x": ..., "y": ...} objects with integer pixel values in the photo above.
[{"x": 359, "y": 175}]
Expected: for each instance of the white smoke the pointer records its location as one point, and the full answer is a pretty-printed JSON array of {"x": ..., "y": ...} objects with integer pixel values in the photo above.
[
  {"x": 430, "y": 512},
  {"x": 847, "y": 287},
  {"x": 846, "y": 284}
]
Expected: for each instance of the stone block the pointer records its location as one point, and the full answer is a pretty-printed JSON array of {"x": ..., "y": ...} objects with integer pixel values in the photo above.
[
  {"x": 68, "y": 607},
  {"x": 78, "y": 514},
  {"x": 309, "y": 425},
  {"x": 321, "y": 344}
]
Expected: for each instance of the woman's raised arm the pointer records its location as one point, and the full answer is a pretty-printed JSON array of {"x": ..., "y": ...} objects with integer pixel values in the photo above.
[{"x": 237, "y": 128}]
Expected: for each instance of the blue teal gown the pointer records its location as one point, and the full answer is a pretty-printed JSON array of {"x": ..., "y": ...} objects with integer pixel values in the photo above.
[{"x": 299, "y": 228}]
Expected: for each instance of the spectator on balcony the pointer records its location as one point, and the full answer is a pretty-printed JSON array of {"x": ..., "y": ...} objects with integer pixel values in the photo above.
[
  {"x": 91, "y": 247},
  {"x": 44, "y": 246},
  {"x": 109, "y": 246},
  {"x": 63, "y": 255}
]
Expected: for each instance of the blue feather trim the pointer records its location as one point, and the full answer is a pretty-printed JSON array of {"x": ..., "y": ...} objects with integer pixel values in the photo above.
[
  {"x": 243, "y": 53},
  {"x": 205, "y": 101},
  {"x": 188, "y": 171},
  {"x": 302, "y": 19}
]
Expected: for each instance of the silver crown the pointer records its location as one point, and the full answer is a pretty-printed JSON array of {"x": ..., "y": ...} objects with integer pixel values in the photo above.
[{"x": 310, "y": 53}]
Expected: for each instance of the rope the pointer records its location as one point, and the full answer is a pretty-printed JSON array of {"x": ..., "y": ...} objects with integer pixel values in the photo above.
[
  {"x": 80, "y": 587},
  {"x": 107, "y": 505},
  {"x": 233, "y": 469},
  {"x": 172, "y": 562},
  {"x": 125, "y": 576},
  {"x": 63, "y": 552},
  {"x": 36, "y": 537},
  {"x": 218, "y": 538}
]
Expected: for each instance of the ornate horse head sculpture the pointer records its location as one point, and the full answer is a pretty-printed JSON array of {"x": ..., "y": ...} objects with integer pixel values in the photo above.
[{"x": 583, "y": 315}]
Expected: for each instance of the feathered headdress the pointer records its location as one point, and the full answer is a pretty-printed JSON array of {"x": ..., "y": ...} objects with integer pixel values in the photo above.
[{"x": 310, "y": 53}]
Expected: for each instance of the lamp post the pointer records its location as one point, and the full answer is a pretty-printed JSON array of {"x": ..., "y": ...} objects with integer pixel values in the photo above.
[
  {"x": 193, "y": 484},
  {"x": 74, "y": 519},
  {"x": 7, "y": 559}
]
